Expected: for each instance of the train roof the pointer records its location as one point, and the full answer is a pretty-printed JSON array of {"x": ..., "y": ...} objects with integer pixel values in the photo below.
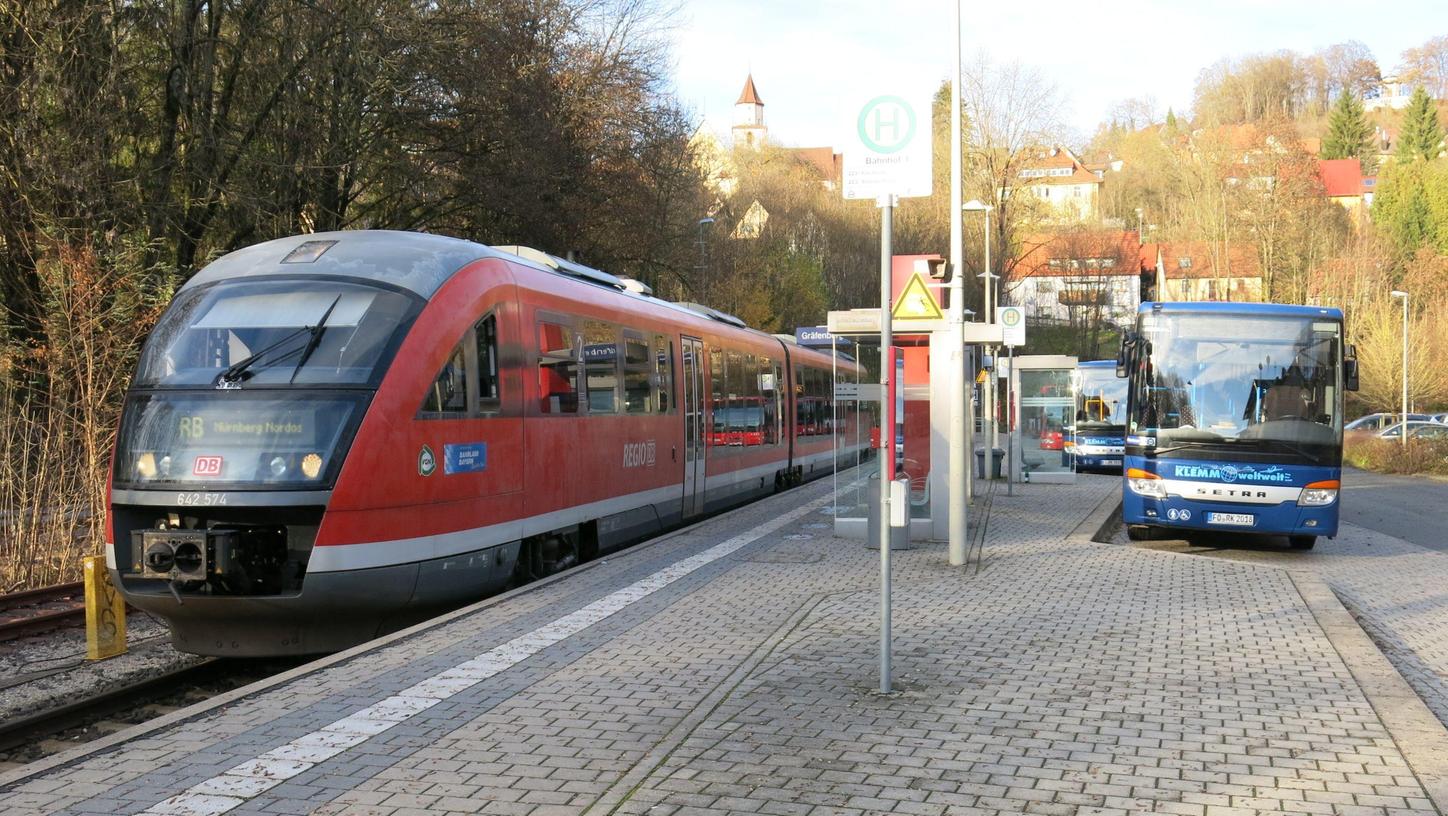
[
  {"x": 421, "y": 263},
  {"x": 1252, "y": 309},
  {"x": 415, "y": 261}
]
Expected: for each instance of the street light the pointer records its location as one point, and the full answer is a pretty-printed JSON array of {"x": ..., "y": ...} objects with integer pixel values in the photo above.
[
  {"x": 1404, "y": 295},
  {"x": 976, "y": 205},
  {"x": 703, "y": 267}
]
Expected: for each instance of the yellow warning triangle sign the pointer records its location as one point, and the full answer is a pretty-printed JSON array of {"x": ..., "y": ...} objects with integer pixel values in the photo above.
[{"x": 916, "y": 302}]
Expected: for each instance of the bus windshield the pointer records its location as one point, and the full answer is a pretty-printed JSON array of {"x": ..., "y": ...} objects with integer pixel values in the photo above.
[
  {"x": 1100, "y": 398},
  {"x": 1244, "y": 382}
]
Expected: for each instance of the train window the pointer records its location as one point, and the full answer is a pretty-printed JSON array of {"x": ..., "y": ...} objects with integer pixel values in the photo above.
[
  {"x": 638, "y": 394},
  {"x": 557, "y": 369},
  {"x": 718, "y": 390},
  {"x": 600, "y": 364},
  {"x": 663, "y": 371},
  {"x": 768, "y": 399},
  {"x": 448, "y": 395},
  {"x": 486, "y": 333}
]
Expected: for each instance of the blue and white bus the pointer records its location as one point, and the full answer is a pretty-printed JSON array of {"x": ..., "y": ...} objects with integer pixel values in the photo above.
[
  {"x": 1099, "y": 435},
  {"x": 1234, "y": 420}
]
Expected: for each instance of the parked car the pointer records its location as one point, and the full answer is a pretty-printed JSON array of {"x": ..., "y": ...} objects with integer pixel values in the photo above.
[
  {"x": 1416, "y": 430},
  {"x": 1379, "y": 421}
]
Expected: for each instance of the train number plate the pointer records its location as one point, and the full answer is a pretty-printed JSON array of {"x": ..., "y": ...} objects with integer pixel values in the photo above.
[
  {"x": 1111, "y": 462},
  {"x": 1235, "y": 519}
]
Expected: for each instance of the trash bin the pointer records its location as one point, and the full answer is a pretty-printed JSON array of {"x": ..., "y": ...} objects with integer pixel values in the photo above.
[
  {"x": 997, "y": 455},
  {"x": 899, "y": 536}
]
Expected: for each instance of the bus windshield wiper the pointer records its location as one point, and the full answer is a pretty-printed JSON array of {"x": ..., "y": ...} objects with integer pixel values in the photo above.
[
  {"x": 315, "y": 340},
  {"x": 233, "y": 372}
]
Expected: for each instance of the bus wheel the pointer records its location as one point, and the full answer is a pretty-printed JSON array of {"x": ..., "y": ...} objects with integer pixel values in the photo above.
[
  {"x": 1302, "y": 542},
  {"x": 1139, "y": 532}
]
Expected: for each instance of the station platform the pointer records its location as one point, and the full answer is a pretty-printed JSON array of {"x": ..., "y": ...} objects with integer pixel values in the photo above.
[{"x": 731, "y": 667}]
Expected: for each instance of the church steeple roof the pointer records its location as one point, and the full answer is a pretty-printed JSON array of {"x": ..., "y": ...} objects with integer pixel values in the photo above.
[{"x": 749, "y": 96}]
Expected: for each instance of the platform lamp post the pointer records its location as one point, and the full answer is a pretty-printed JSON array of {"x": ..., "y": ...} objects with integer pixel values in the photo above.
[
  {"x": 1404, "y": 295},
  {"x": 976, "y": 205},
  {"x": 703, "y": 266}
]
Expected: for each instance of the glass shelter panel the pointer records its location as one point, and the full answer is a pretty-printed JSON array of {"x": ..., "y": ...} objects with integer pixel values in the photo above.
[{"x": 1047, "y": 412}]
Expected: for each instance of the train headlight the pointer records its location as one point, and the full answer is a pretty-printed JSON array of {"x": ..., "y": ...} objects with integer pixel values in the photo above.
[
  {"x": 311, "y": 465},
  {"x": 146, "y": 465},
  {"x": 164, "y": 467},
  {"x": 1144, "y": 483},
  {"x": 1319, "y": 494},
  {"x": 278, "y": 467}
]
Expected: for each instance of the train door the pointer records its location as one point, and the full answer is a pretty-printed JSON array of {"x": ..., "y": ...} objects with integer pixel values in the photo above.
[{"x": 693, "y": 382}]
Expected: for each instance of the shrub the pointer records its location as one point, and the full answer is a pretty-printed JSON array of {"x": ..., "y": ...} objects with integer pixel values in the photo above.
[{"x": 1392, "y": 456}]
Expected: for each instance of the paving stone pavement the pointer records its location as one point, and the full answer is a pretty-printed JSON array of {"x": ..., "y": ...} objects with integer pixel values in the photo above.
[
  {"x": 1398, "y": 591},
  {"x": 1063, "y": 677}
]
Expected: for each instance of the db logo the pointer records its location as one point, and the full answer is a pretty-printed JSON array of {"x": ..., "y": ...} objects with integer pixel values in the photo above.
[{"x": 207, "y": 466}]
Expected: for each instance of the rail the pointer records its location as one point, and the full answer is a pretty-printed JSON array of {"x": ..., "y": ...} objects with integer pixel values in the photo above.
[{"x": 31, "y": 611}]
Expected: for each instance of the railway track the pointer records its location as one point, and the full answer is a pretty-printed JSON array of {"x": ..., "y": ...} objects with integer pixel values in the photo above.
[
  {"x": 25, "y": 739},
  {"x": 33, "y": 611}
]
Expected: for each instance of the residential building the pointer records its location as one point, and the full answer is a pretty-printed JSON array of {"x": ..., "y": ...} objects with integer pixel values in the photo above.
[
  {"x": 1203, "y": 270},
  {"x": 1392, "y": 93},
  {"x": 1065, "y": 276},
  {"x": 1344, "y": 183},
  {"x": 1071, "y": 189}
]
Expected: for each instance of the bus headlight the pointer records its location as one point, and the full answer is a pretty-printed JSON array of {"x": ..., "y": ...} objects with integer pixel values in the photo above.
[
  {"x": 278, "y": 467},
  {"x": 146, "y": 465},
  {"x": 1319, "y": 494},
  {"x": 1143, "y": 483}
]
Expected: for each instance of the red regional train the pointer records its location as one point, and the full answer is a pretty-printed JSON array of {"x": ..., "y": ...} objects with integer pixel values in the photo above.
[{"x": 332, "y": 436}]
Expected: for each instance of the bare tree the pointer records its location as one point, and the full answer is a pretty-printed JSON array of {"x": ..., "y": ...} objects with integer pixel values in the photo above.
[
  {"x": 1013, "y": 112},
  {"x": 1427, "y": 65}
]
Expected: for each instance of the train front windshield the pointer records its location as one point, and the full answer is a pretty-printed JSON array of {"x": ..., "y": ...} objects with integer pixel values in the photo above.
[
  {"x": 1212, "y": 386},
  {"x": 257, "y": 383},
  {"x": 249, "y": 333}
]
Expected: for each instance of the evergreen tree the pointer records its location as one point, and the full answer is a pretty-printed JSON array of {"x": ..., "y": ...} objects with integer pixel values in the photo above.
[
  {"x": 1171, "y": 121},
  {"x": 1422, "y": 134},
  {"x": 1349, "y": 136}
]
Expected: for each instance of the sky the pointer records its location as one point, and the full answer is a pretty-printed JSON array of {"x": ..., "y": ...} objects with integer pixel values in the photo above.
[{"x": 815, "y": 62}]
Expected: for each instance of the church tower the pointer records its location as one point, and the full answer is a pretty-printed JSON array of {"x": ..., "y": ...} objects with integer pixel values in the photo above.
[{"x": 749, "y": 129}]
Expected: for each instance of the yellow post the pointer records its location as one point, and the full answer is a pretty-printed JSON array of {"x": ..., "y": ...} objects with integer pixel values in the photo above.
[{"x": 105, "y": 612}]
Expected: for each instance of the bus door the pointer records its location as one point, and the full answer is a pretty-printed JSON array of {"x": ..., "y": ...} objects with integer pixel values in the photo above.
[{"x": 694, "y": 429}]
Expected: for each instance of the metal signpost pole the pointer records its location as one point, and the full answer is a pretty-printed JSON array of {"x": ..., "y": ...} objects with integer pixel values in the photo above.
[
  {"x": 1010, "y": 426},
  {"x": 887, "y": 436},
  {"x": 890, "y": 160},
  {"x": 960, "y": 436},
  {"x": 994, "y": 382}
]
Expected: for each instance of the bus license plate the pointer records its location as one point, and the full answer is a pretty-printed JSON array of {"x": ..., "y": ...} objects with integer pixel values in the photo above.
[
  {"x": 1114, "y": 462},
  {"x": 1238, "y": 519}
]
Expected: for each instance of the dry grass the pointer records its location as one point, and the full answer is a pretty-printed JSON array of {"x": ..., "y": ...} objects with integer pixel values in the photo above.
[{"x": 60, "y": 400}]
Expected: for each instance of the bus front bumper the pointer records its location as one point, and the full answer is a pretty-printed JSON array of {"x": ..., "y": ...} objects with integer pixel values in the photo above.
[{"x": 1286, "y": 518}]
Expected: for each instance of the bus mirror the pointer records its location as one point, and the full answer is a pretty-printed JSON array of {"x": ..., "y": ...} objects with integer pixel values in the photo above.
[
  {"x": 1350, "y": 369},
  {"x": 1123, "y": 355}
]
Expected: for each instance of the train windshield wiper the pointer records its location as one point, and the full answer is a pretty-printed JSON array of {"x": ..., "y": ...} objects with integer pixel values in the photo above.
[
  {"x": 315, "y": 340},
  {"x": 233, "y": 374}
]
